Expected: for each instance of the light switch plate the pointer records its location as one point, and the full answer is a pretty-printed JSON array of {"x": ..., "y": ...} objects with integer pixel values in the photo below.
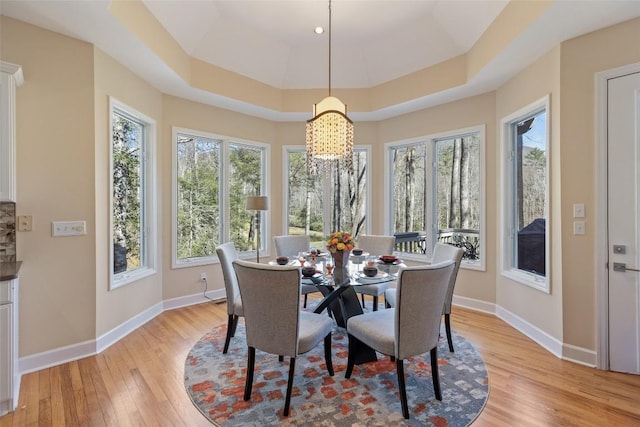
[
  {"x": 68, "y": 228},
  {"x": 578, "y": 210},
  {"x": 578, "y": 228}
]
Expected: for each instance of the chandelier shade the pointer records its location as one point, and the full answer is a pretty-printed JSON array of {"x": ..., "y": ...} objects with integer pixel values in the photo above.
[{"x": 330, "y": 132}]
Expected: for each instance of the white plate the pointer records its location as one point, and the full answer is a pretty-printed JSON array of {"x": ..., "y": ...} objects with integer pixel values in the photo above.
[{"x": 380, "y": 277}]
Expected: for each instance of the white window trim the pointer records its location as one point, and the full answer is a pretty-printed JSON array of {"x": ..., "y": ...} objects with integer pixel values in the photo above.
[
  {"x": 534, "y": 281},
  {"x": 480, "y": 130},
  {"x": 265, "y": 228},
  {"x": 388, "y": 191},
  {"x": 149, "y": 203},
  {"x": 327, "y": 207},
  {"x": 429, "y": 141}
]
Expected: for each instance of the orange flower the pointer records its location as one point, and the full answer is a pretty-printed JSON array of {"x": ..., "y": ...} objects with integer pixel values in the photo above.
[{"x": 340, "y": 241}]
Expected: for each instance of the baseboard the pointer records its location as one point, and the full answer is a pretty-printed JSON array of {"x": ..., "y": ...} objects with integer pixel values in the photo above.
[
  {"x": 580, "y": 355},
  {"x": 73, "y": 352},
  {"x": 199, "y": 298},
  {"x": 474, "y": 304},
  {"x": 47, "y": 359}
]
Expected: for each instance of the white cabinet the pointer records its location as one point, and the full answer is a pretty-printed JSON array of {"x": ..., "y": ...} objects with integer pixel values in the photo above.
[{"x": 9, "y": 375}]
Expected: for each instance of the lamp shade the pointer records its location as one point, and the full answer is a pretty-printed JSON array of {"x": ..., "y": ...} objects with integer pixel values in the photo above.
[{"x": 257, "y": 203}]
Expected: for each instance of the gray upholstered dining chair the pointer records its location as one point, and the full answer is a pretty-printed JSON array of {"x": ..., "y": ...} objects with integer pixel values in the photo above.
[
  {"x": 227, "y": 254},
  {"x": 409, "y": 329},
  {"x": 273, "y": 319},
  {"x": 290, "y": 245},
  {"x": 375, "y": 245},
  {"x": 441, "y": 252}
]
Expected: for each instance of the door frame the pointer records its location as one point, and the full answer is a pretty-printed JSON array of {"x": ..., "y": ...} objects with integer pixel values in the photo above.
[{"x": 601, "y": 241}]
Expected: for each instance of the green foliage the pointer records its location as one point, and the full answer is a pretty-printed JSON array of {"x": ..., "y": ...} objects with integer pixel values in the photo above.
[{"x": 127, "y": 189}]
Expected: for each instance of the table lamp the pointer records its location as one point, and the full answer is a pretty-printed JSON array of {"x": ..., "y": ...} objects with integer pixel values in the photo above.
[{"x": 257, "y": 203}]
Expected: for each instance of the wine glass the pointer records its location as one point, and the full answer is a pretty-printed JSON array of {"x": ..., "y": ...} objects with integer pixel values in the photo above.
[
  {"x": 329, "y": 268},
  {"x": 302, "y": 257}
]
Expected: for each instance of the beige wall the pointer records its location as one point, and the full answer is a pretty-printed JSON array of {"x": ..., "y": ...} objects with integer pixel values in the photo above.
[
  {"x": 55, "y": 169},
  {"x": 536, "y": 307},
  {"x": 119, "y": 305},
  {"x": 581, "y": 59},
  {"x": 62, "y": 154}
]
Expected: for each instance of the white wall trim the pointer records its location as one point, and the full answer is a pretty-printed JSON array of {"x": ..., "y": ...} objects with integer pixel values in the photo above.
[
  {"x": 474, "y": 304},
  {"x": 553, "y": 345},
  {"x": 116, "y": 334},
  {"x": 215, "y": 296},
  {"x": 73, "y": 352}
]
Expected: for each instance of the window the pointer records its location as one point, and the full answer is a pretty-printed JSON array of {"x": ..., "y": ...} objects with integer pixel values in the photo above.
[
  {"x": 436, "y": 189},
  {"x": 330, "y": 201},
  {"x": 132, "y": 195},
  {"x": 213, "y": 175},
  {"x": 525, "y": 204}
]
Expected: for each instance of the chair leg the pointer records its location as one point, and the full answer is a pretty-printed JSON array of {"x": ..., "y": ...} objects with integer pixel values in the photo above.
[
  {"x": 402, "y": 387},
  {"x": 327, "y": 353},
  {"x": 287, "y": 400},
  {"x": 375, "y": 303},
  {"x": 231, "y": 330},
  {"x": 447, "y": 326},
  {"x": 350, "y": 356},
  {"x": 305, "y": 300},
  {"x": 435, "y": 377},
  {"x": 362, "y": 297},
  {"x": 248, "y": 385}
]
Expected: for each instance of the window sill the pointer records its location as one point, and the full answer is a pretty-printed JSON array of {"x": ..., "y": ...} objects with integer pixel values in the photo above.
[
  {"x": 528, "y": 279},
  {"x": 122, "y": 279}
]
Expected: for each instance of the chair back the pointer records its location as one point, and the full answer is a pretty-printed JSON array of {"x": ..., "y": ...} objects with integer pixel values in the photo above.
[
  {"x": 290, "y": 245},
  {"x": 443, "y": 252},
  {"x": 419, "y": 298},
  {"x": 271, "y": 303},
  {"x": 377, "y": 245},
  {"x": 227, "y": 254}
]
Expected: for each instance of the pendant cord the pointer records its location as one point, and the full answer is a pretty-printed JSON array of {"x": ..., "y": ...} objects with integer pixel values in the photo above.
[{"x": 329, "y": 47}]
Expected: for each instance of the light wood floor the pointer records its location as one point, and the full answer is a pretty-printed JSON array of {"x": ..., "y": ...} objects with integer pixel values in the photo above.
[{"x": 139, "y": 380}]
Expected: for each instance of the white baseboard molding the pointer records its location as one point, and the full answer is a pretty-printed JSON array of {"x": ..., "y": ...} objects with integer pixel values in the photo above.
[
  {"x": 474, "y": 304},
  {"x": 561, "y": 350},
  {"x": 193, "y": 299},
  {"x": 73, "y": 352},
  {"x": 580, "y": 355}
]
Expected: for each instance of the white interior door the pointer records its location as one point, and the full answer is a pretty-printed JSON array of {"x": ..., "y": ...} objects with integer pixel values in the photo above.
[{"x": 623, "y": 136}]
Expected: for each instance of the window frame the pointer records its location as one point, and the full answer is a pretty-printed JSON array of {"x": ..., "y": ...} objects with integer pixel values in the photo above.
[
  {"x": 430, "y": 142},
  {"x": 326, "y": 186},
  {"x": 541, "y": 283},
  {"x": 148, "y": 187},
  {"x": 224, "y": 177}
]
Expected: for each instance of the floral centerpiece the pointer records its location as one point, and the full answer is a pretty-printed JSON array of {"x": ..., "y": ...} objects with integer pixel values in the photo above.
[{"x": 340, "y": 244}]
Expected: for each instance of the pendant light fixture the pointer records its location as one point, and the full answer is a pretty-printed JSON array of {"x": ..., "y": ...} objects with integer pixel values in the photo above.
[{"x": 330, "y": 131}]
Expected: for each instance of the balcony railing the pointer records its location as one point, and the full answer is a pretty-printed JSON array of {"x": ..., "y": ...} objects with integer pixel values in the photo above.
[
  {"x": 416, "y": 241},
  {"x": 467, "y": 239}
]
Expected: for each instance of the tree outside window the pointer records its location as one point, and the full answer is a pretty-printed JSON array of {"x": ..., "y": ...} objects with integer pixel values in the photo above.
[
  {"x": 213, "y": 177},
  {"x": 526, "y": 176},
  {"x": 132, "y": 223},
  {"x": 318, "y": 204},
  {"x": 436, "y": 190}
]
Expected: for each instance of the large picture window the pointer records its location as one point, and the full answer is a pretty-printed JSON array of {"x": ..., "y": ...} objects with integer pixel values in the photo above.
[
  {"x": 318, "y": 204},
  {"x": 213, "y": 175},
  {"x": 435, "y": 188},
  {"x": 525, "y": 204},
  {"x": 132, "y": 136}
]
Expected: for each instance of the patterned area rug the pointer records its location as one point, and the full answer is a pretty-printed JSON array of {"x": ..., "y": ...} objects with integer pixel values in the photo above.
[{"x": 215, "y": 384}]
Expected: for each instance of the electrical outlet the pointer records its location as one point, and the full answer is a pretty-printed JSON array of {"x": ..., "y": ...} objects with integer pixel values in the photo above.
[{"x": 203, "y": 276}]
